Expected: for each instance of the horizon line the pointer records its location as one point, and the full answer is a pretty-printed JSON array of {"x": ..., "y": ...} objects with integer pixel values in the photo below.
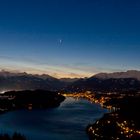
[{"x": 60, "y": 77}]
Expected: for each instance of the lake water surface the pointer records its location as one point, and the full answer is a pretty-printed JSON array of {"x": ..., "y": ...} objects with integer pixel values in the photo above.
[{"x": 67, "y": 122}]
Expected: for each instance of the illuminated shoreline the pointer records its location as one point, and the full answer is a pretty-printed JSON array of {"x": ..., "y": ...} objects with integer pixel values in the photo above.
[{"x": 125, "y": 129}]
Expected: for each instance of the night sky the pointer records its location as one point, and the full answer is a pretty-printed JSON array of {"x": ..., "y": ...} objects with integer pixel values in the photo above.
[{"x": 69, "y": 38}]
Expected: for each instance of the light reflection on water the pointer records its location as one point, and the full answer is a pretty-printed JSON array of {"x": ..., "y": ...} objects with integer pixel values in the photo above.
[{"x": 67, "y": 122}]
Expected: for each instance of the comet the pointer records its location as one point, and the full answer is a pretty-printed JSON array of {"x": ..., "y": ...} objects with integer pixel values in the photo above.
[{"x": 60, "y": 41}]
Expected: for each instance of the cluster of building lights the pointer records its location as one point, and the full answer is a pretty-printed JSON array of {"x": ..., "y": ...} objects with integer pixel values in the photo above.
[{"x": 127, "y": 130}]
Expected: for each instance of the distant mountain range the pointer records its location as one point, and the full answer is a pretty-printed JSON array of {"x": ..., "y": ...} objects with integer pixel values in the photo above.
[
  {"x": 24, "y": 81},
  {"x": 118, "y": 81},
  {"x": 117, "y": 75},
  {"x": 100, "y": 82}
]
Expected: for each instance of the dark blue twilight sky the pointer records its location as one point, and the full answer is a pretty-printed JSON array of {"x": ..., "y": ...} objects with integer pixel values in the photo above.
[{"x": 69, "y": 38}]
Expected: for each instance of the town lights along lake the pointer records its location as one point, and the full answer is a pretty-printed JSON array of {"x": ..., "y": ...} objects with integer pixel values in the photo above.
[{"x": 67, "y": 122}]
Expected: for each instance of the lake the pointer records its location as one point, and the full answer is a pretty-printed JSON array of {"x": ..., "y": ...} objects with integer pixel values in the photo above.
[{"x": 67, "y": 122}]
